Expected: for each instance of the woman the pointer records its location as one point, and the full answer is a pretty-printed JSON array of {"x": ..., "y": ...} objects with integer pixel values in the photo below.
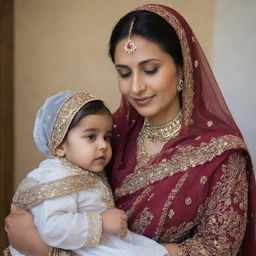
[{"x": 181, "y": 170}]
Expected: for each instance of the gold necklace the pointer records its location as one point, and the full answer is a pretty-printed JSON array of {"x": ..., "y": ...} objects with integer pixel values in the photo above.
[{"x": 163, "y": 132}]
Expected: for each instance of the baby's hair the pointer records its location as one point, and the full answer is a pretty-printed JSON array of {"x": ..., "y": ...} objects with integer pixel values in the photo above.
[{"x": 91, "y": 108}]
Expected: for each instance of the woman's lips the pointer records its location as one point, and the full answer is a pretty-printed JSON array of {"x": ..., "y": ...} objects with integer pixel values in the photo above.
[{"x": 143, "y": 101}]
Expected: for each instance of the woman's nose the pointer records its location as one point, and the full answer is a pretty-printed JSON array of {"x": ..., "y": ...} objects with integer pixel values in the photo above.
[{"x": 137, "y": 84}]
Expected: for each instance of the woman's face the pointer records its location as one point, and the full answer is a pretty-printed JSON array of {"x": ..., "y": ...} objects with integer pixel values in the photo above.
[{"x": 148, "y": 79}]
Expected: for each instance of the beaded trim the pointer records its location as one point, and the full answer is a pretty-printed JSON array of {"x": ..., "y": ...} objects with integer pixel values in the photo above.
[
  {"x": 94, "y": 229},
  {"x": 29, "y": 197},
  {"x": 65, "y": 117},
  {"x": 162, "y": 132},
  {"x": 61, "y": 252}
]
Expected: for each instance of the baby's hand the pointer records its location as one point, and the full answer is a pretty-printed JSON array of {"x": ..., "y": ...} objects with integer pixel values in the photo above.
[{"x": 114, "y": 221}]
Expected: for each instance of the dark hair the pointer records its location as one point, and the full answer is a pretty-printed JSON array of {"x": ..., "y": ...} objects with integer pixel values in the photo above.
[
  {"x": 91, "y": 108},
  {"x": 150, "y": 26}
]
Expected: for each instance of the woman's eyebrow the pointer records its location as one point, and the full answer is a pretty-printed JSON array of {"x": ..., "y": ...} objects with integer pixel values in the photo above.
[{"x": 140, "y": 63}]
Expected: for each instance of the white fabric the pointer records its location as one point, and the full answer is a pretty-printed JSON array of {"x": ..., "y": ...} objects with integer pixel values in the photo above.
[{"x": 63, "y": 221}]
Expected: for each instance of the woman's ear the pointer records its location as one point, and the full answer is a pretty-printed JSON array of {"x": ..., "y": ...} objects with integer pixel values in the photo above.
[{"x": 60, "y": 151}]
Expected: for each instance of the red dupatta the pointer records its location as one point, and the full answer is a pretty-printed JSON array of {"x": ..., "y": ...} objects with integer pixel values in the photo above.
[{"x": 171, "y": 197}]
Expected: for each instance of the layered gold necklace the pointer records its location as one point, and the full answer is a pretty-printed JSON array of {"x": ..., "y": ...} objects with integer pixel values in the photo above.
[{"x": 163, "y": 132}]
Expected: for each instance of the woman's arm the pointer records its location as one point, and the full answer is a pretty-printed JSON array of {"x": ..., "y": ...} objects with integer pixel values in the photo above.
[
  {"x": 23, "y": 234},
  {"x": 222, "y": 228},
  {"x": 173, "y": 249}
]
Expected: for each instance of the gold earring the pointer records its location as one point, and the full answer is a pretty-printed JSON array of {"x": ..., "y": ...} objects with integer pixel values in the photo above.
[
  {"x": 180, "y": 85},
  {"x": 130, "y": 45}
]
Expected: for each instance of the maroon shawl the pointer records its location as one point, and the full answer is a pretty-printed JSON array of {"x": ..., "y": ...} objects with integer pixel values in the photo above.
[{"x": 195, "y": 191}]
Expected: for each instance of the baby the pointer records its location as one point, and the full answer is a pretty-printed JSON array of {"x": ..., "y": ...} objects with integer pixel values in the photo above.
[{"x": 68, "y": 194}]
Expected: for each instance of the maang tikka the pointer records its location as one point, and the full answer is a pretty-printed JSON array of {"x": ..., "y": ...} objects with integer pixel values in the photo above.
[{"x": 130, "y": 45}]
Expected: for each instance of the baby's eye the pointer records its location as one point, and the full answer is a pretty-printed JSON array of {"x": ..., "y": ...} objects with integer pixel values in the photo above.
[
  {"x": 107, "y": 137},
  {"x": 91, "y": 137}
]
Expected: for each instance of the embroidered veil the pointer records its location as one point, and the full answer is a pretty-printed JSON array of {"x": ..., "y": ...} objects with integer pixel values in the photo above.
[{"x": 200, "y": 163}]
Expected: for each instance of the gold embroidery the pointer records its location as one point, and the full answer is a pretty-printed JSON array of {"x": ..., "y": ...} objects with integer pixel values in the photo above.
[
  {"x": 31, "y": 193},
  {"x": 188, "y": 91},
  {"x": 138, "y": 200},
  {"x": 185, "y": 158},
  {"x": 7, "y": 252},
  {"x": 27, "y": 197},
  {"x": 196, "y": 63},
  {"x": 177, "y": 233},
  {"x": 222, "y": 228},
  {"x": 167, "y": 205},
  {"x": 104, "y": 186},
  {"x": 221, "y": 225},
  {"x": 203, "y": 179},
  {"x": 61, "y": 252},
  {"x": 188, "y": 201},
  {"x": 94, "y": 229},
  {"x": 143, "y": 221},
  {"x": 65, "y": 117},
  {"x": 171, "y": 213},
  {"x": 209, "y": 123},
  {"x": 107, "y": 194}
]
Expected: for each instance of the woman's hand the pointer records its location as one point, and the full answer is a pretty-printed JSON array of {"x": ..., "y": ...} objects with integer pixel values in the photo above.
[
  {"x": 173, "y": 249},
  {"x": 23, "y": 234},
  {"x": 114, "y": 221}
]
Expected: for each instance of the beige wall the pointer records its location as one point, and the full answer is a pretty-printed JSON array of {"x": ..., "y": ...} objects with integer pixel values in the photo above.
[{"x": 62, "y": 44}]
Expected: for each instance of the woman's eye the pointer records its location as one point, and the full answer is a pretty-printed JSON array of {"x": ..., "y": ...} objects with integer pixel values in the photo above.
[
  {"x": 123, "y": 72},
  {"x": 151, "y": 71},
  {"x": 124, "y": 75}
]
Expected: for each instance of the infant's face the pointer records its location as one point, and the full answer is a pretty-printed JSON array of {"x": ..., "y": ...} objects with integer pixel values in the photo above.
[{"x": 88, "y": 143}]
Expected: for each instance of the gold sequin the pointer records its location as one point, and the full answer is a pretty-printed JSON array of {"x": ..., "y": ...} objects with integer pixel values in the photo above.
[
  {"x": 188, "y": 201},
  {"x": 209, "y": 123},
  {"x": 203, "y": 179},
  {"x": 171, "y": 213}
]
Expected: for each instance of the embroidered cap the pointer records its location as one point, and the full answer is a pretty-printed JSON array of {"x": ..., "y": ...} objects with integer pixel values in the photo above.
[{"x": 54, "y": 117}]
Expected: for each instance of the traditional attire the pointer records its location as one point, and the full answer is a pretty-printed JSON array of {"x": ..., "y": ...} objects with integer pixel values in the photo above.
[
  {"x": 199, "y": 191},
  {"x": 67, "y": 201}
]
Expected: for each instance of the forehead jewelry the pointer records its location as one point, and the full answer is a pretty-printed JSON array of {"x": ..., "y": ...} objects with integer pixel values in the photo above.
[{"x": 130, "y": 45}]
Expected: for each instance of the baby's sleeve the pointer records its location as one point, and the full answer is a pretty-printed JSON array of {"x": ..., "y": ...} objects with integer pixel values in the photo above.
[{"x": 61, "y": 225}]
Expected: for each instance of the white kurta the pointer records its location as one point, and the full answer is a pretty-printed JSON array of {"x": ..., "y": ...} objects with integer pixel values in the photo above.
[{"x": 73, "y": 221}]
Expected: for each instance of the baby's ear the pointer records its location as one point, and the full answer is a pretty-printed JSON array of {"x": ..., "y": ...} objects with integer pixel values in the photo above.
[{"x": 60, "y": 151}]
